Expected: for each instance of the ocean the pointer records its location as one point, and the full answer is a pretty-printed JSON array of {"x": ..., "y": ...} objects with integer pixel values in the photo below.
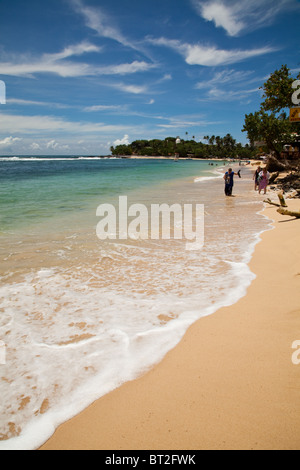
[{"x": 79, "y": 315}]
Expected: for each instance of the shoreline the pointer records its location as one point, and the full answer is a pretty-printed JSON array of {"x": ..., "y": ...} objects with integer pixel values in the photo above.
[{"x": 229, "y": 384}]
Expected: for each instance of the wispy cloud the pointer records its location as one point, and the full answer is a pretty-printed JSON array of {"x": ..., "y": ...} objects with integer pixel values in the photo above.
[
  {"x": 97, "y": 20},
  {"x": 242, "y": 16},
  {"x": 124, "y": 69},
  {"x": 51, "y": 63},
  {"x": 209, "y": 56},
  {"x": 229, "y": 85},
  {"x": 133, "y": 89},
  {"x": 22, "y": 125},
  {"x": 227, "y": 76},
  {"x": 105, "y": 108},
  {"x": 21, "y": 102},
  {"x": 74, "y": 50},
  {"x": 56, "y": 64},
  {"x": 184, "y": 122},
  {"x": 221, "y": 95}
]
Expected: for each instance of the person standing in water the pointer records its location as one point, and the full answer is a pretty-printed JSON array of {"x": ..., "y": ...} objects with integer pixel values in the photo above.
[
  {"x": 229, "y": 181},
  {"x": 256, "y": 178}
]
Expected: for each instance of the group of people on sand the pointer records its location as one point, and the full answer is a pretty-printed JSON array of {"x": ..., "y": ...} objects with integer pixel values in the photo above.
[{"x": 261, "y": 178}]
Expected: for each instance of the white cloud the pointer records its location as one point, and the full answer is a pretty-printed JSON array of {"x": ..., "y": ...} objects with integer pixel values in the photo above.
[
  {"x": 8, "y": 141},
  {"x": 35, "y": 125},
  {"x": 218, "y": 94},
  {"x": 102, "y": 107},
  {"x": 77, "y": 49},
  {"x": 124, "y": 141},
  {"x": 209, "y": 56},
  {"x": 51, "y": 63},
  {"x": 182, "y": 122},
  {"x": 227, "y": 77},
  {"x": 222, "y": 15},
  {"x": 237, "y": 16},
  {"x": 98, "y": 21},
  {"x": 228, "y": 85},
  {"x": 124, "y": 69},
  {"x": 47, "y": 104},
  {"x": 56, "y": 64},
  {"x": 134, "y": 89},
  {"x": 52, "y": 144},
  {"x": 35, "y": 146}
]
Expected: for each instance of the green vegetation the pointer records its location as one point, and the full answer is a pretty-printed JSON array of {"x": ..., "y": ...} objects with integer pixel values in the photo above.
[
  {"x": 271, "y": 123},
  {"x": 222, "y": 147}
]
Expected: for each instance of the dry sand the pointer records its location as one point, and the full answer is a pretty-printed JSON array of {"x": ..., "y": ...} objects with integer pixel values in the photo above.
[{"x": 229, "y": 384}]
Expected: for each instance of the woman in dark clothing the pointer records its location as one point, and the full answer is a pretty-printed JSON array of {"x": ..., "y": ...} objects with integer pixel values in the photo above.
[
  {"x": 256, "y": 178},
  {"x": 229, "y": 181}
]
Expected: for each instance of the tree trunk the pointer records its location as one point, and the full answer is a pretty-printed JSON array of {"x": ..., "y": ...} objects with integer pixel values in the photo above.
[
  {"x": 282, "y": 200},
  {"x": 274, "y": 177},
  {"x": 272, "y": 203},
  {"x": 287, "y": 212}
]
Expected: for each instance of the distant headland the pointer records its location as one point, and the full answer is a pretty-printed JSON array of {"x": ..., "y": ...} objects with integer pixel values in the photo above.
[{"x": 215, "y": 147}]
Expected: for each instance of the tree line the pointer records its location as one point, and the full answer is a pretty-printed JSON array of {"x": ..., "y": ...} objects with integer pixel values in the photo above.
[{"x": 215, "y": 146}]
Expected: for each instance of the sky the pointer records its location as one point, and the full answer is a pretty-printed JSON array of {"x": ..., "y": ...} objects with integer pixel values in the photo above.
[{"x": 80, "y": 76}]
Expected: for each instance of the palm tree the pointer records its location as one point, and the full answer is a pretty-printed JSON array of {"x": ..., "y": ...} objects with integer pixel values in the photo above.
[
  {"x": 212, "y": 140},
  {"x": 219, "y": 141}
]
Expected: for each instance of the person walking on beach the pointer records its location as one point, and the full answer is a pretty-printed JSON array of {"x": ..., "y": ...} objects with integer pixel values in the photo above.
[
  {"x": 264, "y": 178},
  {"x": 256, "y": 178},
  {"x": 229, "y": 181}
]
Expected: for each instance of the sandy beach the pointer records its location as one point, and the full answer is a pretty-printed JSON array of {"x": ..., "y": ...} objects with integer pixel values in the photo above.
[{"x": 229, "y": 384}]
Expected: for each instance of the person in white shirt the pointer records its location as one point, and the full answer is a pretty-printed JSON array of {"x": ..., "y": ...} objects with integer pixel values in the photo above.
[{"x": 264, "y": 178}]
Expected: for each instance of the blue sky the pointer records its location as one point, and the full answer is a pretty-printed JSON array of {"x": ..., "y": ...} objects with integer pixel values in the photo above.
[{"x": 82, "y": 75}]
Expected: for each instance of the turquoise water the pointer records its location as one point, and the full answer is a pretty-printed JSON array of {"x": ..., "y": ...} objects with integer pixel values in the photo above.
[
  {"x": 35, "y": 189},
  {"x": 79, "y": 316}
]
